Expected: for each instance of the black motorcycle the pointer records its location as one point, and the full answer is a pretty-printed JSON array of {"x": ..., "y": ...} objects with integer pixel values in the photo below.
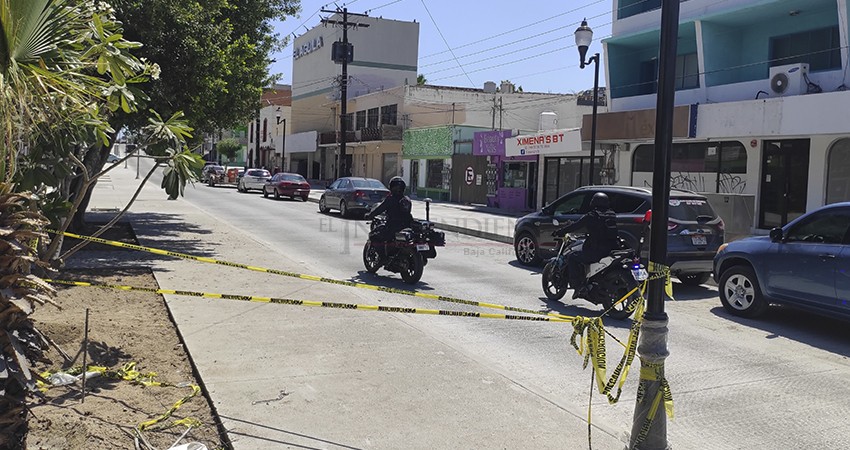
[
  {"x": 606, "y": 282},
  {"x": 409, "y": 250}
]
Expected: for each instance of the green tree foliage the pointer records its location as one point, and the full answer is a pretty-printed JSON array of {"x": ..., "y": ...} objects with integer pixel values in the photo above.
[
  {"x": 214, "y": 55},
  {"x": 421, "y": 80},
  {"x": 228, "y": 148}
]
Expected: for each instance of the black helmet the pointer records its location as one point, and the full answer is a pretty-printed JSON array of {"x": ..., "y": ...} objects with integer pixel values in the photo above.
[
  {"x": 397, "y": 185},
  {"x": 600, "y": 201}
]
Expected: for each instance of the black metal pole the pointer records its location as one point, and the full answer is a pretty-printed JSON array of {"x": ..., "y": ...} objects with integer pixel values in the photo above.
[
  {"x": 257, "y": 142},
  {"x": 343, "y": 125},
  {"x": 595, "y": 59},
  {"x": 649, "y": 429}
]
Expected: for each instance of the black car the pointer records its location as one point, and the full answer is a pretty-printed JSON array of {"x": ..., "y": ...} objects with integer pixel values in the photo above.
[{"x": 694, "y": 230}]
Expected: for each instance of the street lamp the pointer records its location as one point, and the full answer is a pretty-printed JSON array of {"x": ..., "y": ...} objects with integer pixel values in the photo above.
[
  {"x": 283, "y": 143},
  {"x": 584, "y": 35}
]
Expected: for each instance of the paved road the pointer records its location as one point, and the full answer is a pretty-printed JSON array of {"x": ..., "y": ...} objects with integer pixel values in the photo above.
[{"x": 774, "y": 383}]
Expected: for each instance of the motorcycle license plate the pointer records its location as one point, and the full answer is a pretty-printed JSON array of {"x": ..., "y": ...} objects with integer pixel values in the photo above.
[
  {"x": 699, "y": 239},
  {"x": 422, "y": 247},
  {"x": 640, "y": 274}
]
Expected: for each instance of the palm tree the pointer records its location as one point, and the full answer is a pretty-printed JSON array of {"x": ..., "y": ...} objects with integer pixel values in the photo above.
[{"x": 63, "y": 65}]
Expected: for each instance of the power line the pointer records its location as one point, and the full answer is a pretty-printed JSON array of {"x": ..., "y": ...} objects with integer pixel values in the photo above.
[{"x": 445, "y": 41}]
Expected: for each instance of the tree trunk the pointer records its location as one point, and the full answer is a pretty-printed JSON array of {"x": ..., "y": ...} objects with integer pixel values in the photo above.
[{"x": 94, "y": 162}]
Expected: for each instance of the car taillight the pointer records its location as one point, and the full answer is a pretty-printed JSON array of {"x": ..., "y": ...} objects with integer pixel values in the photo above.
[{"x": 359, "y": 194}]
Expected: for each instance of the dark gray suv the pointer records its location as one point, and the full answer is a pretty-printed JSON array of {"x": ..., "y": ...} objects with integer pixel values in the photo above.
[{"x": 694, "y": 230}]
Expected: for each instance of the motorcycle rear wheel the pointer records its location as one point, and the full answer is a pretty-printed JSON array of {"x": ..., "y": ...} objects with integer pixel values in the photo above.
[
  {"x": 412, "y": 268},
  {"x": 616, "y": 286},
  {"x": 371, "y": 258},
  {"x": 554, "y": 282}
]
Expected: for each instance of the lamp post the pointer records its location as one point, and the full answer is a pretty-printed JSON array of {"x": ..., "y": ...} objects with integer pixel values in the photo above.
[
  {"x": 283, "y": 142},
  {"x": 584, "y": 35}
]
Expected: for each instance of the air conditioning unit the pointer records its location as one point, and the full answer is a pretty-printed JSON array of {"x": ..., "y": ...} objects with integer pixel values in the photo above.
[{"x": 790, "y": 79}]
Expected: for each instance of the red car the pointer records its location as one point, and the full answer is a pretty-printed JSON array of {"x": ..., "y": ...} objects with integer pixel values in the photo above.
[{"x": 287, "y": 185}]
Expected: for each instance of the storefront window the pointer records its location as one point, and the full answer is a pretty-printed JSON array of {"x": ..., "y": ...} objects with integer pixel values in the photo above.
[
  {"x": 563, "y": 175},
  {"x": 838, "y": 178},
  {"x": 434, "y": 174},
  {"x": 698, "y": 166},
  {"x": 515, "y": 175}
]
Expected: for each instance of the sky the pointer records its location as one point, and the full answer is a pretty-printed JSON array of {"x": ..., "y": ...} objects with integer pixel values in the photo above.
[{"x": 465, "y": 43}]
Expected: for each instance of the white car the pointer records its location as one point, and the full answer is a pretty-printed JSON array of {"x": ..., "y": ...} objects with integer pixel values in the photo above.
[
  {"x": 112, "y": 158},
  {"x": 253, "y": 179}
]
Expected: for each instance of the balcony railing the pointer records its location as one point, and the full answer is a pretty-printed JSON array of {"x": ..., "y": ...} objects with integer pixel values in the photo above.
[{"x": 380, "y": 133}]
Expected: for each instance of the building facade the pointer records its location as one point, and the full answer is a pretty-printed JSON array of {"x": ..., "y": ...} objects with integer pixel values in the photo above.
[{"x": 762, "y": 100}]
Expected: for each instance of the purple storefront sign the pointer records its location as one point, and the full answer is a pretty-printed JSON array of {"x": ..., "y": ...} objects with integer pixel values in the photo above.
[{"x": 492, "y": 144}]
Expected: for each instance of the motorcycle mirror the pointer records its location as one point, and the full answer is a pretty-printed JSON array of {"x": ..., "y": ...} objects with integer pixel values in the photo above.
[
  {"x": 647, "y": 218},
  {"x": 428, "y": 200},
  {"x": 555, "y": 222}
]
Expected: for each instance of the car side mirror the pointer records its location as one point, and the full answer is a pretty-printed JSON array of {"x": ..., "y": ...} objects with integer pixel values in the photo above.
[{"x": 776, "y": 234}]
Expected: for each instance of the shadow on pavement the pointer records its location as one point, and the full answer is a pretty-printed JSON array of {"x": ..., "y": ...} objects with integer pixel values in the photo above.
[
  {"x": 323, "y": 443},
  {"x": 683, "y": 292},
  {"x": 389, "y": 280},
  {"x": 818, "y": 331},
  {"x": 534, "y": 270}
]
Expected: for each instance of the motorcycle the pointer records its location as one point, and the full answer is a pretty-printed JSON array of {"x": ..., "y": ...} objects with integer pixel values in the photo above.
[
  {"x": 408, "y": 252},
  {"x": 606, "y": 281}
]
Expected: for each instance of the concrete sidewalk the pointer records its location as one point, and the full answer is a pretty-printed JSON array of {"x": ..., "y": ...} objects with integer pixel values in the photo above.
[{"x": 352, "y": 379}]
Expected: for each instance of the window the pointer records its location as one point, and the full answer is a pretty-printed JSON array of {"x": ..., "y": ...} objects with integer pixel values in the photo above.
[
  {"x": 368, "y": 183},
  {"x": 838, "y": 176},
  {"x": 720, "y": 158},
  {"x": 335, "y": 184},
  {"x": 571, "y": 204},
  {"x": 265, "y": 128},
  {"x": 291, "y": 177},
  {"x": 361, "y": 120},
  {"x": 827, "y": 227},
  {"x": 390, "y": 166},
  {"x": 691, "y": 210},
  {"x": 687, "y": 74},
  {"x": 251, "y": 134},
  {"x": 372, "y": 118},
  {"x": 349, "y": 122},
  {"x": 515, "y": 175},
  {"x": 625, "y": 203},
  {"x": 389, "y": 114},
  {"x": 434, "y": 174},
  {"x": 820, "y": 48}
]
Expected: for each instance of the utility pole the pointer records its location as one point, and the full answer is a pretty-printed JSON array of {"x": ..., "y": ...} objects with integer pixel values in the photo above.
[
  {"x": 649, "y": 427},
  {"x": 343, "y": 53}
]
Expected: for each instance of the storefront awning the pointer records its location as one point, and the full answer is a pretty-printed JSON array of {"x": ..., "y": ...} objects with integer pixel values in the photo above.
[{"x": 544, "y": 143}]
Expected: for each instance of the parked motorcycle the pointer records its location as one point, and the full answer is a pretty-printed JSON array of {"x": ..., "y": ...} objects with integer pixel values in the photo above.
[
  {"x": 408, "y": 252},
  {"x": 607, "y": 280}
]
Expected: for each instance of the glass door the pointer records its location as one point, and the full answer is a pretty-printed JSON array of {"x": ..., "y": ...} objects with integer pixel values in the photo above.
[{"x": 784, "y": 182}]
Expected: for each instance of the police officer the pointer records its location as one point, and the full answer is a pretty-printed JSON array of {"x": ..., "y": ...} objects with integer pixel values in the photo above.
[
  {"x": 397, "y": 207},
  {"x": 601, "y": 225}
]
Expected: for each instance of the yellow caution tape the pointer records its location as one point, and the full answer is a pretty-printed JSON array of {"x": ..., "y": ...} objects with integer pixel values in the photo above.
[
  {"x": 195, "y": 391},
  {"x": 653, "y": 372},
  {"x": 288, "y": 301},
  {"x": 441, "y": 298}
]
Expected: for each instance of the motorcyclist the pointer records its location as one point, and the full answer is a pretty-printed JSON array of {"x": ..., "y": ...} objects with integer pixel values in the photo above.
[
  {"x": 397, "y": 207},
  {"x": 601, "y": 225}
]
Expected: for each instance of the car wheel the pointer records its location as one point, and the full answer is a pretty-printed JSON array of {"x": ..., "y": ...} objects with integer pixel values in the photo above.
[
  {"x": 276, "y": 194},
  {"x": 240, "y": 187},
  {"x": 343, "y": 208},
  {"x": 526, "y": 250},
  {"x": 740, "y": 292},
  {"x": 303, "y": 198},
  {"x": 694, "y": 279},
  {"x": 265, "y": 193},
  {"x": 323, "y": 208}
]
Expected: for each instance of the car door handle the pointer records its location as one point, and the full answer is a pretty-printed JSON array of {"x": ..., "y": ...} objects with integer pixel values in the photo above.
[{"x": 826, "y": 256}]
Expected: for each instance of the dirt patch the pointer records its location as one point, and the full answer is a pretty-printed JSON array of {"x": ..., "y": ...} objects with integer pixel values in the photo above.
[{"x": 124, "y": 327}]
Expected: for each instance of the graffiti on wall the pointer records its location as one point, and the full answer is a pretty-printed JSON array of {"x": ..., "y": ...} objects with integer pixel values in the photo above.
[{"x": 696, "y": 181}]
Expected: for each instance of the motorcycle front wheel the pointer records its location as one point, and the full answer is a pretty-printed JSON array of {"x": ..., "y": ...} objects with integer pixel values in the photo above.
[
  {"x": 371, "y": 258},
  {"x": 412, "y": 267},
  {"x": 554, "y": 282},
  {"x": 616, "y": 286}
]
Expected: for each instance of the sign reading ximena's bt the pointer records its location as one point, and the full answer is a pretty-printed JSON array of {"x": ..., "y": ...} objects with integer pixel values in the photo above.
[{"x": 544, "y": 142}]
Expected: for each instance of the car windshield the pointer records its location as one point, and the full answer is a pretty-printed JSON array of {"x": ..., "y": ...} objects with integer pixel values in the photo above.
[
  {"x": 691, "y": 209},
  {"x": 259, "y": 173},
  {"x": 295, "y": 178},
  {"x": 368, "y": 184}
]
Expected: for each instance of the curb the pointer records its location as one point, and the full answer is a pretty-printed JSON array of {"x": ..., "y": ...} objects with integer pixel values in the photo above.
[{"x": 457, "y": 229}]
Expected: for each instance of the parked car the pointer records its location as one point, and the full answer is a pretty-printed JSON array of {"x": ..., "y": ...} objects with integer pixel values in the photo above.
[
  {"x": 112, "y": 158},
  {"x": 803, "y": 264},
  {"x": 287, "y": 184},
  {"x": 694, "y": 230},
  {"x": 253, "y": 179},
  {"x": 211, "y": 169},
  {"x": 353, "y": 195}
]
